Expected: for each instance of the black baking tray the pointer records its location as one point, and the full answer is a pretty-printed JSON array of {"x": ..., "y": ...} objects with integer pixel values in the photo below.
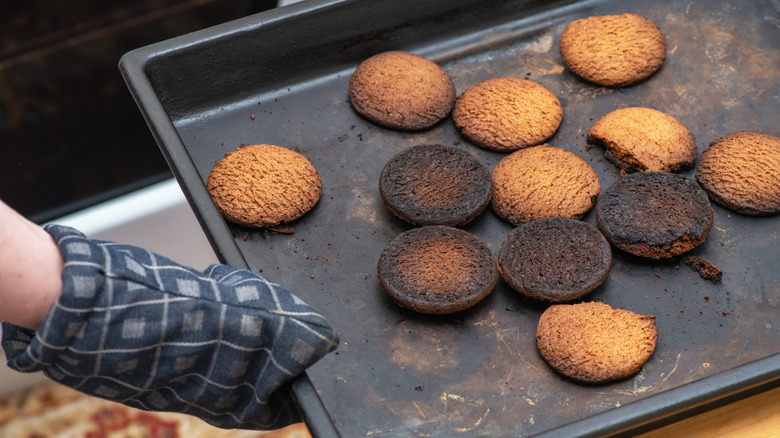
[{"x": 280, "y": 77}]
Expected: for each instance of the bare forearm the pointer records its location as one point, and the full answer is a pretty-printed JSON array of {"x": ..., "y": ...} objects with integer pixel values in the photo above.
[{"x": 30, "y": 270}]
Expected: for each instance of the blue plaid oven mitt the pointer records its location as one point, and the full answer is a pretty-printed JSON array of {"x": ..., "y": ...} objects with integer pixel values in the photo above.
[{"x": 134, "y": 327}]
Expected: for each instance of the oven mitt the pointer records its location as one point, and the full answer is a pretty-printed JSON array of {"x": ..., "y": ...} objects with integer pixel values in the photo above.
[{"x": 137, "y": 328}]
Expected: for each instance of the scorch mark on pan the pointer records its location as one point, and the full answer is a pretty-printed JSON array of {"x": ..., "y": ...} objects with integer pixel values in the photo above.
[
  {"x": 476, "y": 425},
  {"x": 676, "y": 363}
]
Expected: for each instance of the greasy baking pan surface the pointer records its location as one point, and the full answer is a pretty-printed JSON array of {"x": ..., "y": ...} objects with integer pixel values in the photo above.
[{"x": 281, "y": 78}]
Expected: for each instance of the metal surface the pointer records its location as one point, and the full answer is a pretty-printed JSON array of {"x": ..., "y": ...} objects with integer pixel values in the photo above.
[{"x": 281, "y": 78}]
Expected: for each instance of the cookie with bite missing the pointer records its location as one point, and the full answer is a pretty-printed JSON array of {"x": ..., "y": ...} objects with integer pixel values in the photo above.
[
  {"x": 435, "y": 185},
  {"x": 543, "y": 182},
  {"x": 264, "y": 186},
  {"x": 400, "y": 90},
  {"x": 594, "y": 343},
  {"x": 437, "y": 270},
  {"x": 656, "y": 215},
  {"x": 506, "y": 114},
  {"x": 613, "y": 50},
  {"x": 741, "y": 172},
  {"x": 643, "y": 139},
  {"x": 555, "y": 260}
]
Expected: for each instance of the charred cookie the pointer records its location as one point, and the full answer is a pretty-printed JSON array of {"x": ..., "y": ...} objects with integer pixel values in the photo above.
[
  {"x": 507, "y": 114},
  {"x": 555, "y": 259},
  {"x": 644, "y": 139},
  {"x": 264, "y": 186},
  {"x": 437, "y": 269},
  {"x": 435, "y": 185},
  {"x": 613, "y": 50},
  {"x": 543, "y": 182},
  {"x": 594, "y": 343},
  {"x": 741, "y": 172},
  {"x": 402, "y": 91},
  {"x": 654, "y": 214}
]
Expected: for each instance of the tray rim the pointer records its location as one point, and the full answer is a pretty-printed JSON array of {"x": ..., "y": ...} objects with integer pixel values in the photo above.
[{"x": 639, "y": 416}]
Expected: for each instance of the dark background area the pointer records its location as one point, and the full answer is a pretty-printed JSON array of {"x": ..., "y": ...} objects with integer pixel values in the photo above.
[{"x": 70, "y": 133}]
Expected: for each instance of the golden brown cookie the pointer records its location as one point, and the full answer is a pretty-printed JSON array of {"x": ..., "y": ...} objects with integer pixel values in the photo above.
[
  {"x": 613, "y": 50},
  {"x": 543, "y": 182},
  {"x": 594, "y": 343},
  {"x": 741, "y": 172},
  {"x": 644, "y": 139},
  {"x": 555, "y": 259},
  {"x": 435, "y": 185},
  {"x": 264, "y": 186},
  {"x": 654, "y": 214},
  {"x": 507, "y": 114},
  {"x": 401, "y": 90},
  {"x": 437, "y": 269}
]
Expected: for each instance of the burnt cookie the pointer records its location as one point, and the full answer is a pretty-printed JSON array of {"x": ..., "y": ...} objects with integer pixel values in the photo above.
[
  {"x": 435, "y": 185},
  {"x": 264, "y": 186},
  {"x": 594, "y": 343},
  {"x": 402, "y": 91},
  {"x": 507, "y": 114},
  {"x": 644, "y": 139},
  {"x": 543, "y": 182},
  {"x": 613, "y": 50},
  {"x": 654, "y": 214},
  {"x": 741, "y": 172},
  {"x": 555, "y": 259},
  {"x": 437, "y": 270}
]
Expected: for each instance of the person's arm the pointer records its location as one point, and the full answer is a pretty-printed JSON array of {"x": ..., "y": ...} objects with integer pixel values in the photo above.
[
  {"x": 132, "y": 326},
  {"x": 30, "y": 270}
]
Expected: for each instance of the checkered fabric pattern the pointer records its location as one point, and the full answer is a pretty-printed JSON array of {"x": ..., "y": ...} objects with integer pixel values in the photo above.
[{"x": 134, "y": 327}]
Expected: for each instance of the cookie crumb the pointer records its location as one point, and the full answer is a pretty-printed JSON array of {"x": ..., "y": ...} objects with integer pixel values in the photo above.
[{"x": 706, "y": 270}]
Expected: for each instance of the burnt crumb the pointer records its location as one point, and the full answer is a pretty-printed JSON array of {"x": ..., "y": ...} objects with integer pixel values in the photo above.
[
  {"x": 282, "y": 229},
  {"x": 418, "y": 388},
  {"x": 706, "y": 270}
]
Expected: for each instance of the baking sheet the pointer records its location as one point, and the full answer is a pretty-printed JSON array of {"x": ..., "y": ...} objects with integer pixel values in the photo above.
[{"x": 476, "y": 373}]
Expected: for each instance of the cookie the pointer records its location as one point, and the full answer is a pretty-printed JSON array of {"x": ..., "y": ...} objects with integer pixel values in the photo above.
[
  {"x": 741, "y": 172},
  {"x": 555, "y": 259},
  {"x": 437, "y": 270},
  {"x": 594, "y": 343},
  {"x": 613, "y": 50},
  {"x": 654, "y": 214},
  {"x": 401, "y": 90},
  {"x": 644, "y": 139},
  {"x": 264, "y": 186},
  {"x": 507, "y": 114},
  {"x": 543, "y": 182},
  {"x": 435, "y": 185}
]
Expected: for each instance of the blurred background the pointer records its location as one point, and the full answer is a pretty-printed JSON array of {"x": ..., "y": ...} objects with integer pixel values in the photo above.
[{"x": 71, "y": 135}]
